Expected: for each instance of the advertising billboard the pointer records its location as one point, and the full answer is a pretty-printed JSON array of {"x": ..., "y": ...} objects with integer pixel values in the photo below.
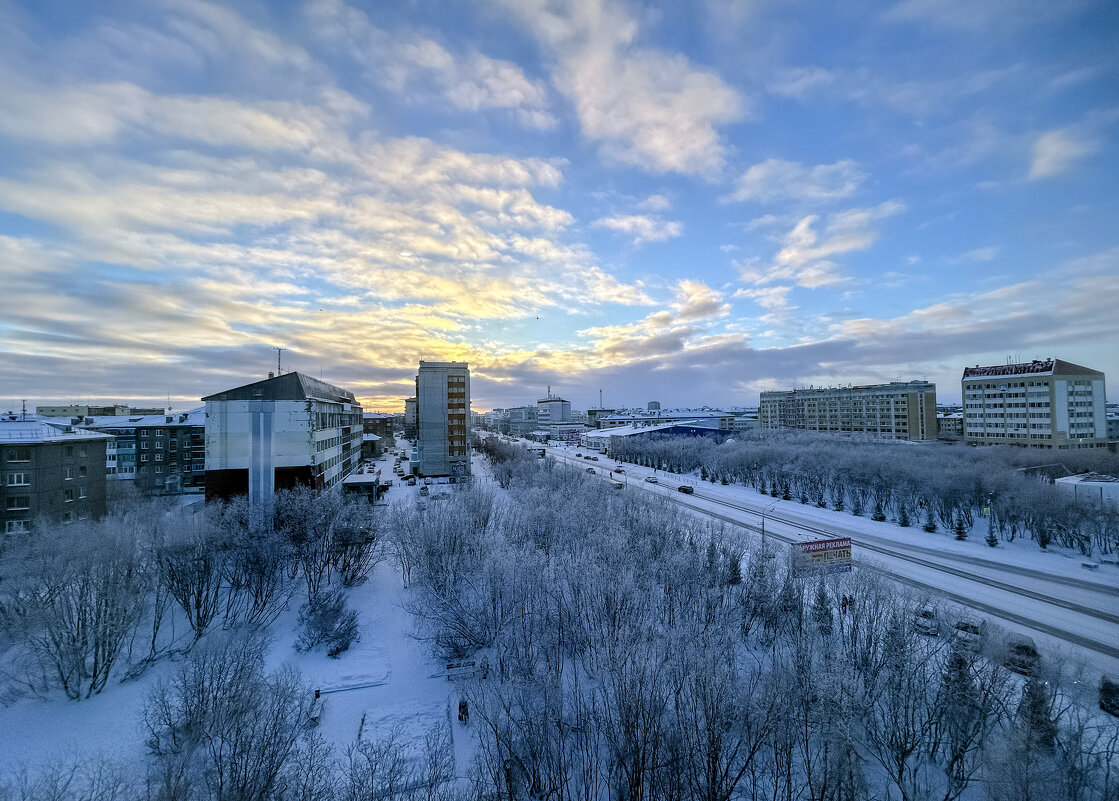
[{"x": 823, "y": 556}]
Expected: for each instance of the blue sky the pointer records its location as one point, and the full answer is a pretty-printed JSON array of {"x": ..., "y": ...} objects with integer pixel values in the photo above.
[{"x": 687, "y": 202}]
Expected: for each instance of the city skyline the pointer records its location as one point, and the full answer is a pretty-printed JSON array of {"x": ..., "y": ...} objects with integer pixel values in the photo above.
[{"x": 690, "y": 203}]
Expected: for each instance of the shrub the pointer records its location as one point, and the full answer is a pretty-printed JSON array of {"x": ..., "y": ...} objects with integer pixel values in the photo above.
[{"x": 327, "y": 621}]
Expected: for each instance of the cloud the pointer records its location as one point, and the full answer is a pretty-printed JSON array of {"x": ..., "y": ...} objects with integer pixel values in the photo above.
[
  {"x": 1056, "y": 151},
  {"x": 806, "y": 255},
  {"x": 775, "y": 180},
  {"x": 643, "y": 228},
  {"x": 410, "y": 64},
  {"x": 989, "y": 253},
  {"x": 770, "y": 297},
  {"x": 655, "y": 203},
  {"x": 645, "y": 107},
  {"x": 800, "y": 82}
]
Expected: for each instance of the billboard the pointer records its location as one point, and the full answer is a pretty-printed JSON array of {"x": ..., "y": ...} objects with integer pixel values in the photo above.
[{"x": 823, "y": 556}]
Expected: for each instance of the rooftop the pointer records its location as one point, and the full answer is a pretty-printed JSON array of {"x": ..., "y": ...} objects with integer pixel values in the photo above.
[
  {"x": 34, "y": 429},
  {"x": 1036, "y": 367},
  {"x": 289, "y": 386}
]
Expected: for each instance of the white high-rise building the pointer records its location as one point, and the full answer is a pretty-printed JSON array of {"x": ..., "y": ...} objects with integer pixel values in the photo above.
[
  {"x": 443, "y": 419},
  {"x": 552, "y": 409},
  {"x": 1046, "y": 403}
]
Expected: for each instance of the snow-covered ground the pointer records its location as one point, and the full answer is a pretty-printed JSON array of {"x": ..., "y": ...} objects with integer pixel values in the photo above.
[
  {"x": 387, "y": 677},
  {"x": 1056, "y": 575}
]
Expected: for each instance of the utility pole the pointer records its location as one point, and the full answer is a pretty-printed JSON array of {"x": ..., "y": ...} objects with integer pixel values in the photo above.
[{"x": 279, "y": 351}]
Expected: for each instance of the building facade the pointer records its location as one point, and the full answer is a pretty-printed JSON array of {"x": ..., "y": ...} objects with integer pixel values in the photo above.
[
  {"x": 75, "y": 410},
  {"x": 443, "y": 419},
  {"x": 410, "y": 418},
  {"x": 160, "y": 454},
  {"x": 552, "y": 409},
  {"x": 377, "y": 434},
  {"x": 50, "y": 472},
  {"x": 1047, "y": 404},
  {"x": 279, "y": 433},
  {"x": 898, "y": 410},
  {"x": 703, "y": 417}
]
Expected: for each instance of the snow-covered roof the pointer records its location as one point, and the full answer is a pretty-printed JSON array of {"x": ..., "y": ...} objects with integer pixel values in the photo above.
[
  {"x": 35, "y": 429},
  {"x": 193, "y": 417},
  {"x": 370, "y": 438}
]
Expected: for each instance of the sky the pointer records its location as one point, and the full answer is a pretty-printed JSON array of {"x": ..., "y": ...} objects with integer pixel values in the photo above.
[{"x": 686, "y": 202}]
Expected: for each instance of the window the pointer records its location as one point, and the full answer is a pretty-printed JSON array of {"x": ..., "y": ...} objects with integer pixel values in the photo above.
[
  {"x": 19, "y": 502},
  {"x": 69, "y": 450},
  {"x": 68, "y": 517},
  {"x": 81, "y": 472},
  {"x": 12, "y": 526},
  {"x": 69, "y": 494},
  {"x": 68, "y": 473},
  {"x": 159, "y": 445},
  {"x": 144, "y": 433},
  {"x": 18, "y": 454},
  {"x": 143, "y": 457},
  {"x": 143, "y": 446},
  {"x": 81, "y": 492},
  {"x": 158, "y": 469},
  {"x": 19, "y": 479},
  {"x": 159, "y": 457}
]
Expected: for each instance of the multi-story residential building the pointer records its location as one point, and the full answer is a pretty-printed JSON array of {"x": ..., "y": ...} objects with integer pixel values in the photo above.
[
  {"x": 950, "y": 425},
  {"x": 377, "y": 434},
  {"x": 161, "y": 454},
  {"x": 1046, "y": 403},
  {"x": 520, "y": 421},
  {"x": 410, "y": 418},
  {"x": 443, "y": 419},
  {"x": 49, "y": 471},
  {"x": 898, "y": 410},
  {"x": 278, "y": 433}
]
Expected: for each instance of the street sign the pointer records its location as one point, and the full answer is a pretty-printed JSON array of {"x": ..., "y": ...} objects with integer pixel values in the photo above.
[{"x": 823, "y": 556}]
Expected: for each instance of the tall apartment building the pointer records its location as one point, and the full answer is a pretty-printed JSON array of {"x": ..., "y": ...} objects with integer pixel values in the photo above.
[
  {"x": 443, "y": 419},
  {"x": 898, "y": 410},
  {"x": 49, "y": 471},
  {"x": 278, "y": 433},
  {"x": 410, "y": 418},
  {"x": 1046, "y": 403}
]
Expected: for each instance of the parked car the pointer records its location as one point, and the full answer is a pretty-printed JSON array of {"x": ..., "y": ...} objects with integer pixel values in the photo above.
[
  {"x": 594, "y": 458},
  {"x": 926, "y": 621},
  {"x": 969, "y": 634},
  {"x": 424, "y": 490},
  {"x": 578, "y": 455},
  {"x": 618, "y": 470},
  {"x": 1109, "y": 696},
  {"x": 652, "y": 479},
  {"x": 617, "y": 485},
  {"x": 590, "y": 469},
  {"x": 687, "y": 489},
  {"x": 1021, "y": 655}
]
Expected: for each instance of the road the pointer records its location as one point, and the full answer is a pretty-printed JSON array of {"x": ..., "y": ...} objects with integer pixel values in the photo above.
[{"x": 1078, "y": 617}]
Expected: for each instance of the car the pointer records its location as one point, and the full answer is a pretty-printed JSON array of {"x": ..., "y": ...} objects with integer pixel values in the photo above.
[
  {"x": 617, "y": 485},
  {"x": 652, "y": 479},
  {"x": 594, "y": 458},
  {"x": 687, "y": 489},
  {"x": 618, "y": 470},
  {"x": 590, "y": 470},
  {"x": 1021, "y": 655},
  {"x": 1109, "y": 696},
  {"x": 578, "y": 455},
  {"x": 926, "y": 621},
  {"x": 424, "y": 490},
  {"x": 969, "y": 634}
]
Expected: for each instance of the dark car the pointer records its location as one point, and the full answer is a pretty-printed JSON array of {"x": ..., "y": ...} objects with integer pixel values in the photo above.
[
  {"x": 590, "y": 469},
  {"x": 1021, "y": 655},
  {"x": 578, "y": 455},
  {"x": 594, "y": 458},
  {"x": 687, "y": 489},
  {"x": 618, "y": 470},
  {"x": 1109, "y": 696}
]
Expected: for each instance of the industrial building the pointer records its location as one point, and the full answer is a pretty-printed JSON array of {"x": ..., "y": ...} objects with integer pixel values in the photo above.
[
  {"x": 443, "y": 420},
  {"x": 278, "y": 433},
  {"x": 1044, "y": 404},
  {"x": 898, "y": 410},
  {"x": 49, "y": 471}
]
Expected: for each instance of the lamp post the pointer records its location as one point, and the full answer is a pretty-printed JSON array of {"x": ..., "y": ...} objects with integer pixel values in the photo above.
[{"x": 766, "y": 509}]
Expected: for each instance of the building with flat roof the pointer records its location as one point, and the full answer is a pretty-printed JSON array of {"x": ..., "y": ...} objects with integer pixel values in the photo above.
[
  {"x": 1046, "y": 404},
  {"x": 898, "y": 410},
  {"x": 49, "y": 471},
  {"x": 443, "y": 419},
  {"x": 84, "y": 410},
  {"x": 278, "y": 433},
  {"x": 552, "y": 409},
  {"x": 703, "y": 417},
  {"x": 160, "y": 454}
]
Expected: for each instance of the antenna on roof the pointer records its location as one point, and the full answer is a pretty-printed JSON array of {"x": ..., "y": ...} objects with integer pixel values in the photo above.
[
  {"x": 279, "y": 352},
  {"x": 600, "y": 397},
  {"x": 24, "y": 410}
]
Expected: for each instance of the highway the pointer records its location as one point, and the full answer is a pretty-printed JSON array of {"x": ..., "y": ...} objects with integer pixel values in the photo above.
[{"x": 1076, "y": 617}]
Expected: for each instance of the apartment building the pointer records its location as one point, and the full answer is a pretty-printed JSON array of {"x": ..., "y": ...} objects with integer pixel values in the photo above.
[
  {"x": 443, "y": 419},
  {"x": 552, "y": 409},
  {"x": 410, "y": 418},
  {"x": 903, "y": 410},
  {"x": 1046, "y": 404},
  {"x": 161, "y": 454},
  {"x": 49, "y": 471},
  {"x": 278, "y": 433},
  {"x": 83, "y": 410}
]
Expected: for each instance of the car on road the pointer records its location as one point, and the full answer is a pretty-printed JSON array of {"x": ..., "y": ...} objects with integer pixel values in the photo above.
[
  {"x": 969, "y": 634},
  {"x": 590, "y": 469},
  {"x": 594, "y": 458},
  {"x": 1109, "y": 696},
  {"x": 652, "y": 479},
  {"x": 617, "y": 485},
  {"x": 687, "y": 489},
  {"x": 926, "y": 621},
  {"x": 1021, "y": 655},
  {"x": 618, "y": 470},
  {"x": 578, "y": 455}
]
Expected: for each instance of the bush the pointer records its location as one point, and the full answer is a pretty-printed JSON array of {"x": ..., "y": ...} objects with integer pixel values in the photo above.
[{"x": 327, "y": 621}]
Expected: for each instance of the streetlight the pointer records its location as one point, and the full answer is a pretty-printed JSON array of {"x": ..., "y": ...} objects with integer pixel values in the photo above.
[{"x": 766, "y": 509}]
